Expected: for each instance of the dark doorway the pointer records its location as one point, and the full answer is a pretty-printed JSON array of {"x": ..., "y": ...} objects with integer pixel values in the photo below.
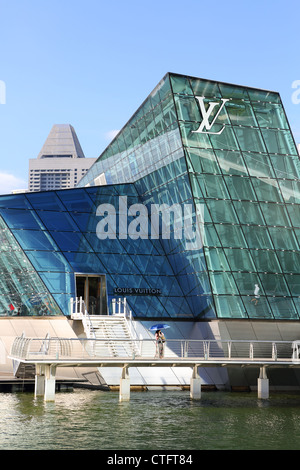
[{"x": 92, "y": 289}]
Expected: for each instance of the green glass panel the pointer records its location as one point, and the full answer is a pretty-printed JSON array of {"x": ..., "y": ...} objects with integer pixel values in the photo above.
[
  {"x": 265, "y": 260},
  {"x": 202, "y": 161},
  {"x": 286, "y": 166},
  {"x": 290, "y": 191},
  {"x": 212, "y": 186},
  {"x": 233, "y": 91},
  {"x": 270, "y": 115},
  {"x": 283, "y": 238},
  {"x": 283, "y": 308},
  {"x": 296, "y": 301},
  {"x": 164, "y": 88},
  {"x": 181, "y": 85},
  {"x": 231, "y": 235},
  {"x": 240, "y": 187},
  {"x": 241, "y": 113},
  {"x": 259, "y": 165},
  {"x": 191, "y": 138},
  {"x": 263, "y": 95},
  {"x": 275, "y": 214},
  {"x": 239, "y": 259},
  {"x": 230, "y": 306},
  {"x": 226, "y": 140},
  {"x": 223, "y": 283},
  {"x": 278, "y": 141},
  {"x": 290, "y": 261},
  {"x": 257, "y": 237},
  {"x": 168, "y": 113},
  {"x": 293, "y": 282},
  {"x": 246, "y": 283},
  {"x": 187, "y": 108},
  {"x": 231, "y": 162},
  {"x": 203, "y": 210},
  {"x": 210, "y": 236},
  {"x": 215, "y": 259},
  {"x": 297, "y": 236},
  {"x": 196, "y": 188},
  {"x": 258, "y": 310},
  {"x": 205, "y": 88},
  {"x": 248, "y": 212},
  {"x": 267, "y": 190},
  {"x": 294, "y": 213},
  {"x": 274, "y": 284},
  {"x": 249, "y": 139},
  {"x": 222, "y": 211}
]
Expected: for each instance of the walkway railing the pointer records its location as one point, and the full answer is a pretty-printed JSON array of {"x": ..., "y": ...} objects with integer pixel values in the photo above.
[
  {"x": 53, "y": 349},
  {"x": 49, "y": 353}
]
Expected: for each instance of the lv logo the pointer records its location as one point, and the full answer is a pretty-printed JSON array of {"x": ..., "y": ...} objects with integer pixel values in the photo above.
[{"x": 206, "y": 113}]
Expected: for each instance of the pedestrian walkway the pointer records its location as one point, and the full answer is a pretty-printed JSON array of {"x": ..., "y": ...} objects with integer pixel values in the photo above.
[{"x": 46, "y": 354}]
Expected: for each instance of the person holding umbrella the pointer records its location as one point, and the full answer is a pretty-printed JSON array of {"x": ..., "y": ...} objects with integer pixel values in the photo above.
[{"x": 160, "y": 340}]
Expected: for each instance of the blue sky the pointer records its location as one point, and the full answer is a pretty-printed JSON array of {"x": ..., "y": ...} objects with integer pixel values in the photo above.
[{"x": 91, "y": 63}]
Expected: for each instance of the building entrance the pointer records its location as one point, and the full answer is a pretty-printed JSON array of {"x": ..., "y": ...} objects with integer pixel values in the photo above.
[{"x": 92, "y": 288}]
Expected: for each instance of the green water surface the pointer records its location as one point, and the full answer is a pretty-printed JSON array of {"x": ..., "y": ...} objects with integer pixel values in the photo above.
[{"x": 154, "y": 420}]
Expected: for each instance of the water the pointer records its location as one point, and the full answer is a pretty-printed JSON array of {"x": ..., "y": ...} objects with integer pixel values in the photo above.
[{"x": 154, "y": 420}]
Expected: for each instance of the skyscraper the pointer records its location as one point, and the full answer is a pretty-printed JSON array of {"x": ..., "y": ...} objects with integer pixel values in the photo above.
[{"x": 61, "y": 162}]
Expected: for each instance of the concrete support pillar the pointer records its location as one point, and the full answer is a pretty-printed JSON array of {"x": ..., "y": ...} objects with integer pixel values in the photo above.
[
  {"x": 124, "y": 384},
  {"x": 263, "y": 384},
  {"x": 39, "y": 386},
  {"x": 195, "y": 387},
  {"x": 50, "y": 371}
]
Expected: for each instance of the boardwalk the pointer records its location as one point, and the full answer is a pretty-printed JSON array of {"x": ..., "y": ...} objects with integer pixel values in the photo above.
[{"x": 46, "y": 354}]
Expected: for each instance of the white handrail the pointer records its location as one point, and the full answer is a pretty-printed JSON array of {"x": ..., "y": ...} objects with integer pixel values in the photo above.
[
  {"x": 79, "y": 312},
  {"x": 207, "y": 350}
]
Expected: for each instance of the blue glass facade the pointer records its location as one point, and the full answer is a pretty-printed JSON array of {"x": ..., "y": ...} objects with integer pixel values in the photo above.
[{"x": 219, "y": 164}]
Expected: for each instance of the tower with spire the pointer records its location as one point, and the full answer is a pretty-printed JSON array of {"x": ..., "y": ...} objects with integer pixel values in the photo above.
[{"x": 60, "y": 163}]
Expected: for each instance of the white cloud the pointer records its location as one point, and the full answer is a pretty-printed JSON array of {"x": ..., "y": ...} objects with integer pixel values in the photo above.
[
  {"x": 9, "y": 183},
  {"x": 110, "y": 135}
]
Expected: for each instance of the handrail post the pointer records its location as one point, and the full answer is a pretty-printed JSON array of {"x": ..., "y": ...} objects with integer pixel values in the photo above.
[
  {"x": 251, "y": 352},
  {"x": 206, "y": 350},
  {"x": 229, "y": 349},
  {"x": 274, "y": 352}
]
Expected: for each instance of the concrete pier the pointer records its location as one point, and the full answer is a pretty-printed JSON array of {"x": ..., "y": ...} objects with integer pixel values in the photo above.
[
  {"x": 263, "y": 384},
  {"x": 125, "y": 384},
  {"x": 45, "y": 381},
  {"x": 195, "y": 386}
]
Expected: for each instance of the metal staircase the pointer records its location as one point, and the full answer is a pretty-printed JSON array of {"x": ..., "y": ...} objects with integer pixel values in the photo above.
[
  {"x": 114, "y": 328},
  {"x": 111, "y": 328}
]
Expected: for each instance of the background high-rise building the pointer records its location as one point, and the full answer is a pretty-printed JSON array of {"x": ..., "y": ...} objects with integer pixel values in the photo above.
[{"x": 61, "y": 162}]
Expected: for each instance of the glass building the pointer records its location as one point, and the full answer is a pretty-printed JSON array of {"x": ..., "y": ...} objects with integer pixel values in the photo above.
[{"x": 191, "y": 213}]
